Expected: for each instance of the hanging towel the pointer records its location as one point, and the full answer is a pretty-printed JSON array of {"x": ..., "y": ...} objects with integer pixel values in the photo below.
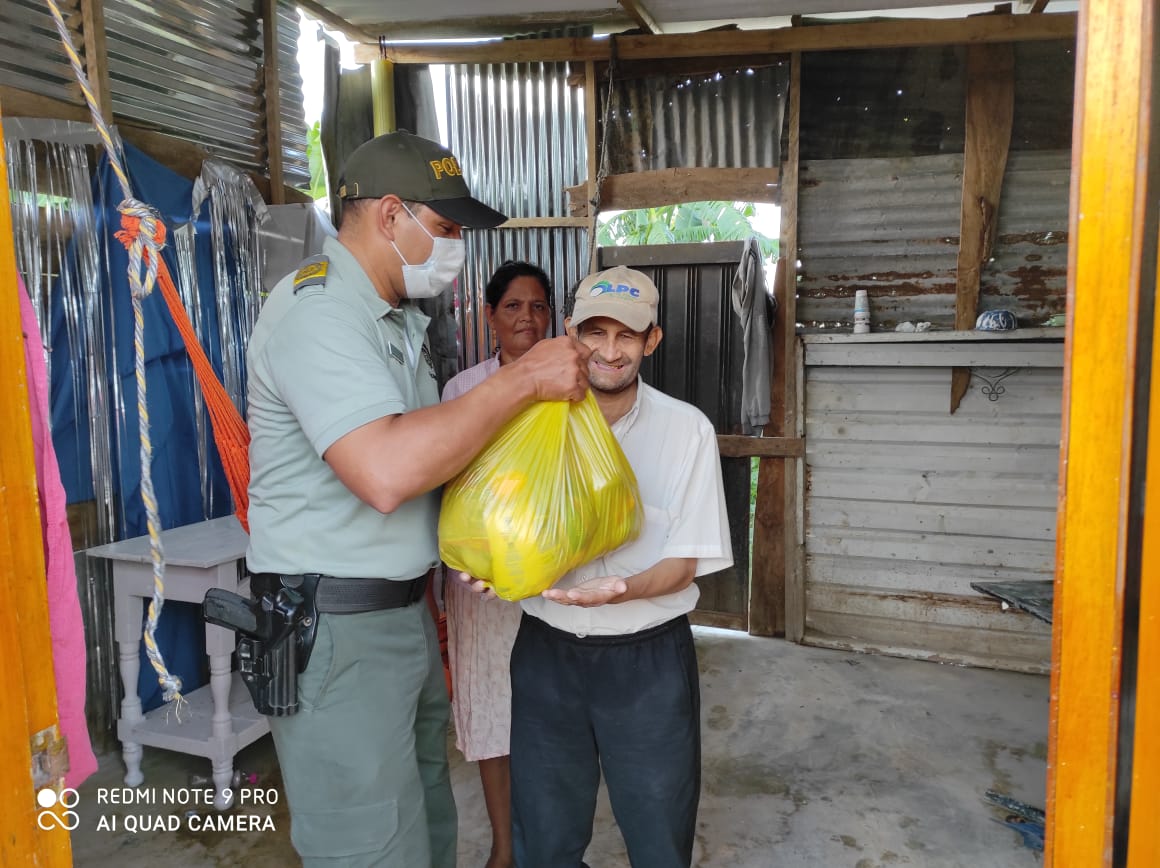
[
  {"x": 750, "y": 303},
  {"x": 64, "y": 609}
]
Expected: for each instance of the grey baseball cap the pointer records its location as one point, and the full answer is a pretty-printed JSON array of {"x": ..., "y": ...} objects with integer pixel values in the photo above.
[{"x": 418, "y": 170}]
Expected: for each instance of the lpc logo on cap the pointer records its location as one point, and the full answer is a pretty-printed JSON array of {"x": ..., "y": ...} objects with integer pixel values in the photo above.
[
  {"x": 620, "y": 293},
  {"x": 417, "y": 170}
]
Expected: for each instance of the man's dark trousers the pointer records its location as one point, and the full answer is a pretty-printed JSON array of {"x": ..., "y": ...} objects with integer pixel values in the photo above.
[{"x": 629, "y": 705}]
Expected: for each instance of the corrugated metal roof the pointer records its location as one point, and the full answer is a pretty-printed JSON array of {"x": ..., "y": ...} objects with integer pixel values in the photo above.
[
  {"x": 437, "y": 13},
  {"x": 891, "y": 227}
]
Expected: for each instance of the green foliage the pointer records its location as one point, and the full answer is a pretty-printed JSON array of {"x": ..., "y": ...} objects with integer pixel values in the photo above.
[
  {"x": 317, "y": 164},
  {"x": 690, "y": 222}
]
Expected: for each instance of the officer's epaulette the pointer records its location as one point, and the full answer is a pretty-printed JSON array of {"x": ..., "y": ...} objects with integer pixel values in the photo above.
[{"x": 312, "y": 272}]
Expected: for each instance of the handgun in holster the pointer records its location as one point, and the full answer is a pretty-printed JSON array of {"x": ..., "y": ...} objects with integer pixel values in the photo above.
[{"x": 276, "y": 631}]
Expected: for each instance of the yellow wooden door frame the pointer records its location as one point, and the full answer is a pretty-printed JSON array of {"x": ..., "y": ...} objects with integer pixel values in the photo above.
[
  {"x": 26, "y": 675},
  {"x": 1110, "y": 293}
]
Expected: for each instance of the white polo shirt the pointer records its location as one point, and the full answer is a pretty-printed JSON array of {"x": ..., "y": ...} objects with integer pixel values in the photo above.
[{"x": 672, "y": 448}]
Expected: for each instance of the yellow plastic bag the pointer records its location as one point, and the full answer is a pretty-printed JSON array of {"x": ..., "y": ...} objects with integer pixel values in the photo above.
[{"x": 552, "y": 491}]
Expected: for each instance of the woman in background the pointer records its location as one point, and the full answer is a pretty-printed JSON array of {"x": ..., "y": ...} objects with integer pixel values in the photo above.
[{"x": 481, "y": 629}]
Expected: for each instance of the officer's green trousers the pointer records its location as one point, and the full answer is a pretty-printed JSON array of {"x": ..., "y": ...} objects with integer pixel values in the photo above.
[{"x": 364, "y": 761}]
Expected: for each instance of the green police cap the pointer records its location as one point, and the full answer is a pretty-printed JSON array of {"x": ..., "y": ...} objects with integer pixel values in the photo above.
[{"x": 417, "y": 170}]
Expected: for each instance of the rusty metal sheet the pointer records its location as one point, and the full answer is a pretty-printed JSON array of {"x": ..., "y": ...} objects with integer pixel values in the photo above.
[{"x": 890, "y": 226}]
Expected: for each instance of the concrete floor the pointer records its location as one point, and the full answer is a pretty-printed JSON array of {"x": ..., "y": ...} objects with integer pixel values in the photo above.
[{"x": 811, "y": 758}]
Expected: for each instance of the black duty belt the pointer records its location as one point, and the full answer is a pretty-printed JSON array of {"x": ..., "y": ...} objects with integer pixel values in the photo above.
[{"x": 349, "y": 596}]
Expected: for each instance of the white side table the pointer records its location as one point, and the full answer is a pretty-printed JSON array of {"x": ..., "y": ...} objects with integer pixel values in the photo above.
[{"x": 220, "y": 718}]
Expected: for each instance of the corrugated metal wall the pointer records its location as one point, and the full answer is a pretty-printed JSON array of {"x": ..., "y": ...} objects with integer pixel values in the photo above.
[
  {"x": 882, "y": 138},
  {"x": 726, "y": 119},
  {"x": 906, "y": 504},
  {"x": 902, "y": 102},
  {"x": 188, "y": 69},
  {"x": 891, "y": 227},
  {"x": 519, "y": 132},
  {"x": 700, "y": 361},
  {"x": 295, "y": 165},
  {"x": 31, "y": 56}
]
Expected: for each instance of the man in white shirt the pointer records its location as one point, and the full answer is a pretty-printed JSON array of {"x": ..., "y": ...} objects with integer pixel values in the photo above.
[{"x": 604, "y": 672}]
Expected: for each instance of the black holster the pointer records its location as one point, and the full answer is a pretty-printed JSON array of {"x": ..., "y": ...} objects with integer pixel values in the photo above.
[{"x": 276, "y": 631}]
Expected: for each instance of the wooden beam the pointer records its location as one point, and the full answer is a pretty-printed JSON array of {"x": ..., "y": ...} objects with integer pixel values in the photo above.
[
  {"x": 24, "y": 104},
  {"x": 181, "y": 156},
  {"x": 27, "y": 681},
  {"x": 273, "y": 100},
  {"x": 96, "y": 54},
  {"x": 791, "y": 360},
  {"x": 592, "y": 133},
  {"x": 337, "y": 22},
  {"x": 687, "y": 66},
  {"x": 772, "y": 518},
  {"x": 897, "y": 33},
  {"x": 1112, "y": 204},
  {"x": 720, "y": 620},
  {"x": 1038, "y": 6},
  {"x": 990, "y": 113},
  {"x": 655, "y": 187},
  {"x": 638, "y": 13},
  {"x": 609, "y": 20},
  {"x": 739, "y": 446},
  {"x": 544, "y": 223}
]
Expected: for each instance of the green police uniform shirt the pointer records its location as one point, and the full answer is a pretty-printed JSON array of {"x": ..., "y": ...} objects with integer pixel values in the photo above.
[{"x": 328, "y": 355}]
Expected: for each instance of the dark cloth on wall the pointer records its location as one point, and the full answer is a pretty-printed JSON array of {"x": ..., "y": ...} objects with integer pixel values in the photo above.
[{"x": 751, "y": 304}]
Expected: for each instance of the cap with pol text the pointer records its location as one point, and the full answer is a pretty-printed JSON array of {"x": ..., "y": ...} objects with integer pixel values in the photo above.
[
  {"x": 416, "y": 170},
  {"x": 621, "y": 293}
]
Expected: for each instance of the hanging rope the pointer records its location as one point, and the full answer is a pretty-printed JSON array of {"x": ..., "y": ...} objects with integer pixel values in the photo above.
[{"x": 143, "y": 235}]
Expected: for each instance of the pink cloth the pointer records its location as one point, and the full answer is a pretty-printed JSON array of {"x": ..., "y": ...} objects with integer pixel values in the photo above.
[
  {"x": 64, "y": 608},
  {"x": 480, "y": 634}
]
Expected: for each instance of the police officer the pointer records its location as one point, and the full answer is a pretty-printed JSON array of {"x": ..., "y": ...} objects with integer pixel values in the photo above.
[{"x": 349, "y": 447}]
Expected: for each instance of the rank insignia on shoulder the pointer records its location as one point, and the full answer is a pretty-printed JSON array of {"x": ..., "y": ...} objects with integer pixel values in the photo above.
[{"x": 312, "y": 272}]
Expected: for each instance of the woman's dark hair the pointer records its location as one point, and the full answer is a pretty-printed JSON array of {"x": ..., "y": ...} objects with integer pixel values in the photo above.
[{"x": 508, "y": 272}]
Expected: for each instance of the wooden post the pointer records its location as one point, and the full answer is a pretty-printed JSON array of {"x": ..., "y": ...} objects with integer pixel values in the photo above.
[
  {"x": 273, "y": 99},
  {"x": 591, "y": 110},
  {"x": 644, "y": 19},
  {"x": 96, "y": 55},
  {"x": 774, "y": 534},
  {"x": 26, "y": 678},
  {"x": 1113, "y": 164},
  {"x": 990, "y": 111}
]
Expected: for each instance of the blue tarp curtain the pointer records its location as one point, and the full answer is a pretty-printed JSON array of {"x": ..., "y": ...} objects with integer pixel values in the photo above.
[{"x": 177, "y": 478}]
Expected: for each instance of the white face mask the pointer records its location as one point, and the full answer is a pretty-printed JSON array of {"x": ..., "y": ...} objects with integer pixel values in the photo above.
[{"x": 435, "y": 276}]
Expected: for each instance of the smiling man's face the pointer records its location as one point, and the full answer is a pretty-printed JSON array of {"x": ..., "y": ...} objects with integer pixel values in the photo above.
[{"x": 617, "y": 352}]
